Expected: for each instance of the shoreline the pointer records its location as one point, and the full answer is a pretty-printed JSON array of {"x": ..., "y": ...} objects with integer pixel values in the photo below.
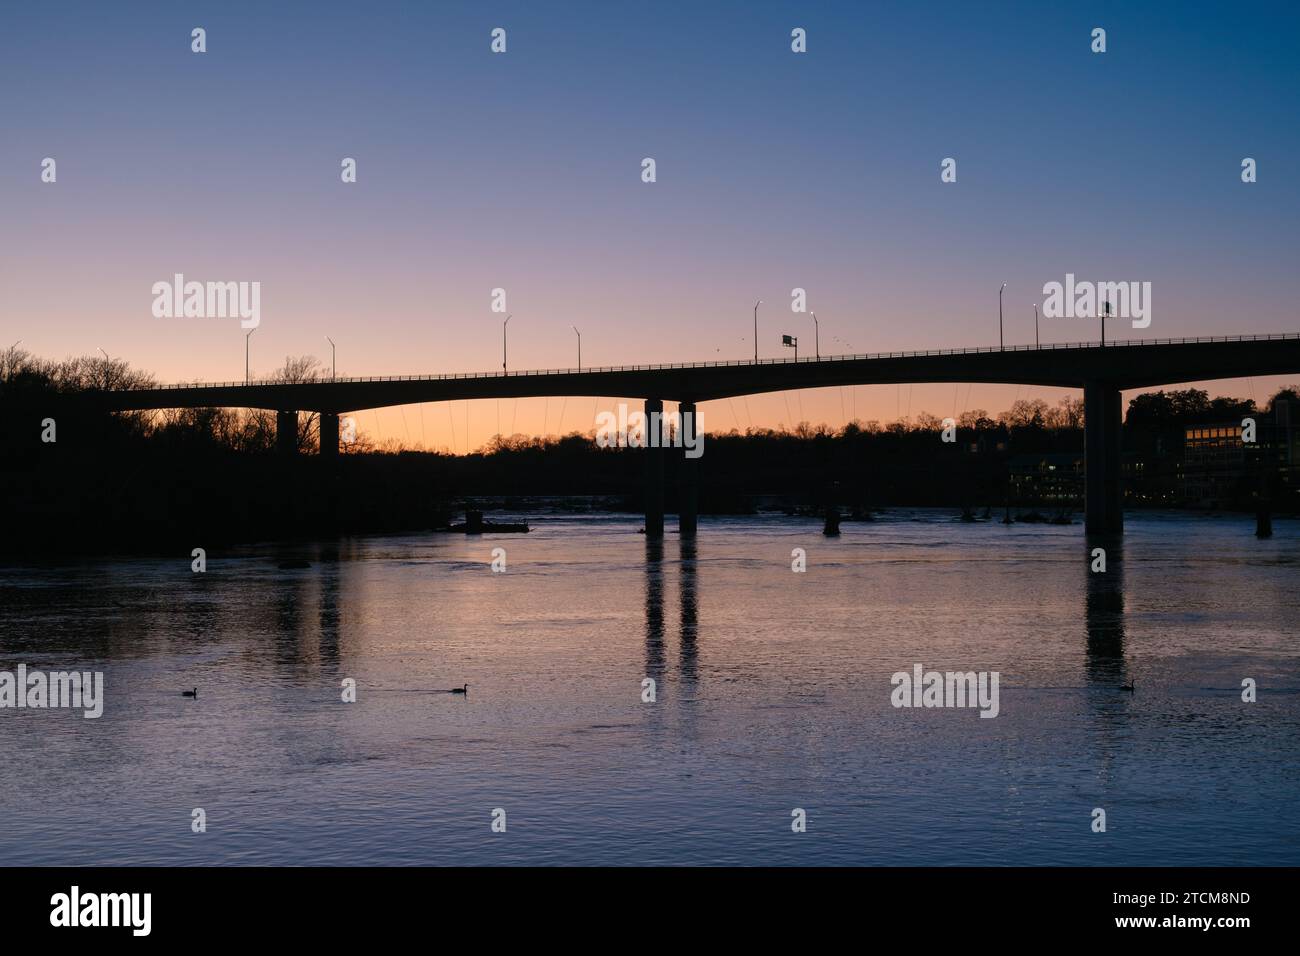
[{"x": 538, "y": 519}]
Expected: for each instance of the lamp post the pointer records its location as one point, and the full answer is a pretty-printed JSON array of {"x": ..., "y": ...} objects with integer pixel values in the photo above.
[
  {"x": 579, "y": 335},
  {"x": 246, "y": 338},
  {"x": 334, "y": 359},
  {"x": 1035, "y": 325},
  {"x": 503, "y": 340},
  {"x": 1105, "y": 311},
  {"x": 756, "y": 305},
  {"x": 817, "y": 338},
  {"x": 1000, "y": 291}
]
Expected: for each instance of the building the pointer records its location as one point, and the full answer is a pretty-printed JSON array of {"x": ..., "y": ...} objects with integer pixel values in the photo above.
[
  {"x": 1054, "y": 478},
  {"x": 1220, "y": 469}
]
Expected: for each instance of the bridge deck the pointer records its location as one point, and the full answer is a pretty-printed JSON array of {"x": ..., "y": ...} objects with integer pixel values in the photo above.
[{"x": 1122, "y": 364}]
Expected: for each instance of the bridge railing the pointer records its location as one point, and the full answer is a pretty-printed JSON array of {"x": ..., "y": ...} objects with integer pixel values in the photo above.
[{"x": 733, "y": 363}]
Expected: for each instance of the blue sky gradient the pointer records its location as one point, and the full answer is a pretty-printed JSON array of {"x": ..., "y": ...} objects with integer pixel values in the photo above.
[{"x": 522, "y": 170}]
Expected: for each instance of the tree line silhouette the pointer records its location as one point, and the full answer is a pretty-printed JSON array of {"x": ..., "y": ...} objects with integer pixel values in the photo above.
[{"x": 182, "y": 478}]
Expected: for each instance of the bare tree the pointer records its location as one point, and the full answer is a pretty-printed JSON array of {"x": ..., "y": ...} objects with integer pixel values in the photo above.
[{"x": 257, "y": 427}]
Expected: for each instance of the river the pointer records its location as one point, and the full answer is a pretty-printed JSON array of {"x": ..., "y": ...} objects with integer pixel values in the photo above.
[{"x": 772, "y": 695}]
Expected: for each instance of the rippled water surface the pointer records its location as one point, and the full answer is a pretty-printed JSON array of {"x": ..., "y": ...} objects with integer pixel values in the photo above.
[{"x": 773, "y": 693}]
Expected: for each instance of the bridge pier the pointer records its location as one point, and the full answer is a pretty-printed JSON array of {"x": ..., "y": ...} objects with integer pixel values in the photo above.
[
  {"x": 688, "y": 491},
  {"x": 286, "y": 433},
  {"x": 1103, "y": 417},
  {"x": 329, "y": 435},
  {"x": 654, "y": 468}
]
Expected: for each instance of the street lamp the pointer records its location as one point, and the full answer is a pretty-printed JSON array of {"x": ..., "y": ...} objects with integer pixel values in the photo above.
[
  {"x": 817, "y": 337},
  {"x": 756, "y": 305},
  {"x": 503, "y": 340},
  {"x": 1105, "y": 311},
  {"x": 1035, "y": 325},
  {"x": 246, "y": 338},
  {"x": 334, "y": 359},
  {"x": 579, "y": 335},
  {"x": 1000, "y": 291}
]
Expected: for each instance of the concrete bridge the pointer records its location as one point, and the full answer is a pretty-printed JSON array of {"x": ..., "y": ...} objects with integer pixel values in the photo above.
[{"x": 1100, "y": 370}]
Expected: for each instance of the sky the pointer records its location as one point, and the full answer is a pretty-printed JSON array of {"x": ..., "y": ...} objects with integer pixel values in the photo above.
[{"x": 522, "y": 171}]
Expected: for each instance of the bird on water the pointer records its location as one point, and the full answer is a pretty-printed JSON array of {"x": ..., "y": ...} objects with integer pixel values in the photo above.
[
  {"x": 460, "y": 690},
  {"x": 190, "y": 693}
]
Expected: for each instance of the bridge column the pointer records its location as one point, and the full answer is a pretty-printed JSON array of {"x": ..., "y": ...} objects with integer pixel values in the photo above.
[
  {"x": 329, "y": 435},
  {"x": 1103, "y": 416},
  {"x": 688, "y": 493},
  {"x": 654, "y": 468},
  {"x": 286, "y": 433}
]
